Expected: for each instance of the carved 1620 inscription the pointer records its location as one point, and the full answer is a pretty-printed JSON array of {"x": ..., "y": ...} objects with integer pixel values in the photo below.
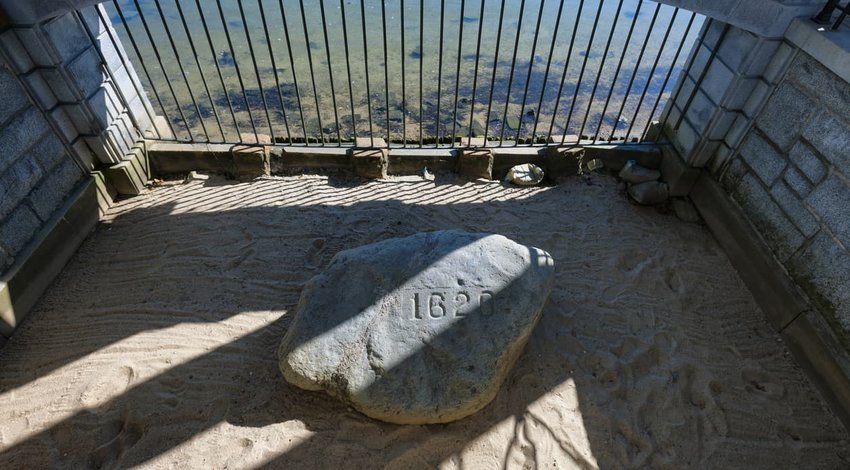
[{"x": 448, "y": 303}]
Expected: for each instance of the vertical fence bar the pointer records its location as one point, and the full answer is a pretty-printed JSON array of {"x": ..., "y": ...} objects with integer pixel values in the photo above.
[
  {"x": 511, "y": 78},
  {"x": 555, "y": 32},
  {"x": 702, "y": 75},
  {"x": 583, "y": 68},
  {"x": 274, "y": 69},
  {"x": 256, "y": 71},
  {"x": 637, "y": 68},
  {"x": 617, "y": 73},
  {"x": 386, "y": 69},
  {"x": 124, "y": 102},
  {"x": 294, "y": 72},
  {"x": 601, "y": 68},
  {"x": 403, "y": 78},
  {"x": 440, "y": 70},
  {"x": 528, "y": 76},
  {"x": 200, "y": 69},
  {"x": 475, "y": 74},
  {"x": 348, "y": 67},
  {"x": 182, "y": 70},
  {"x": 457, "y": 75},
  {"x": 136, "y": 86},
  {"x": 161, "y": 65},
  {"x": 312, "y": 72},
  {"x": 366, "y": 65},
  {"x": 218, "y": 69},
  {"x": 330, "y": 71},
  {"x": 421, "y": 70},
  {"x": 669, "y": 71},
  {"x": 564, "y": 76},
  {"x": 589, "y": 94},
  {"x": 495, "y": 66},
  {"x": 238, "y": 71}
]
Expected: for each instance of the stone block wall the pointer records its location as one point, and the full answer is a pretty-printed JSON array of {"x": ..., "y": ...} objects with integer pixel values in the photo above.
[
  {"x": 36, "y": 168},
  {"x": 730, "y": 76},
  {"x": 72, "y": 104},
  {"x": 769, "y": 118},
  {"x": 791, "y": 176}
]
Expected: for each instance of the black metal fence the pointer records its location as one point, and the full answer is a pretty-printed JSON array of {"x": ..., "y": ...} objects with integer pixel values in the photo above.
[
  {"x": 416, "y": 73},
  {"x": 832, "y": 6}
]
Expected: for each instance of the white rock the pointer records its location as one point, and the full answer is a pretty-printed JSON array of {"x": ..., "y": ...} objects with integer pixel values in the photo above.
[{"x": 527, "y": 174}]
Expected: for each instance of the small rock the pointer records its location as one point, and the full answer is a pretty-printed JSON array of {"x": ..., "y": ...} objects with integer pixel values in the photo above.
[
  {"x": 427, "y": 175},
  {"x": 416, "y": 330},
  {"x": 634, "y": 173},
  {"x": 527, "y": 174},
  {"x": 685, "y": 210},
  {"x": 595, "y": 164},
  {"x": 649, "y": 193},
  {"x": 195, "y": 176}
]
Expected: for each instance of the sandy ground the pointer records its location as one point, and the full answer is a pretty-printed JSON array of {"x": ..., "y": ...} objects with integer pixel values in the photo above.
[{"x": 156, "y": 346}]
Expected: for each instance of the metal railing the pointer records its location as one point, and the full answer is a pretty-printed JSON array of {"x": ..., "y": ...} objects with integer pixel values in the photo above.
[
  {"x": 416, "y": 73},
  {"x": 825, "y": 15}
]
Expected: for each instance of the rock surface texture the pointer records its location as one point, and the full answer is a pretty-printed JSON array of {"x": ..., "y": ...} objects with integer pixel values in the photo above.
[{"x": 415, "y": 330}]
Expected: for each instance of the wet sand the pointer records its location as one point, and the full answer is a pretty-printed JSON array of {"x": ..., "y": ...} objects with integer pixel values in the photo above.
[{"x": 156, "y": 345}]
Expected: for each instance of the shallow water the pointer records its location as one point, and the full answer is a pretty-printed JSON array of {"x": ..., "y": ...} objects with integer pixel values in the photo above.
[{"x": 297, "y": 70}]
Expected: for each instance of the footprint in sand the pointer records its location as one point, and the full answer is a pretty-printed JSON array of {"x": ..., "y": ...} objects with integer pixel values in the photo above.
[
  {"x": 313, "y": 259},
  {"x": 107, "y": 386},
  {"x": 757, "y": 381},
  {"x": 121, "y": 435}
]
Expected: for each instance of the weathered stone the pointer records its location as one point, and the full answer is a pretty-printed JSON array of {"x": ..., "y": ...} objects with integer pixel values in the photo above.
[
  {"x": 370, "y": 163},
  {"x": 809, "y": 163},
  {"x": 562, "y": 161},
  {"x": 822, "y": 269},
  {"x": 634, "y": 173},
  {"x": 787, "y": 111},
  {"x": 527, "y": 174},
  {"x": 829, "y": 201},
  {"x": 799, "y": 215},
  {"x": 649, "y": 193},
  {"x": 251, "y": 161},
  {"x": 422, "y": 329},
  {"x": 768, "y": 218},
  {"x": 831, "y": 137},
  {"x": 796, "y": 181},
  {"x": 763, "y": 158},
  {"x": 476, "y": 163}
]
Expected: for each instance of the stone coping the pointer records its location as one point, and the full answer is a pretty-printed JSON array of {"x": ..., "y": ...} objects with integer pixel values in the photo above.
[{"x": 830, "y": 48}]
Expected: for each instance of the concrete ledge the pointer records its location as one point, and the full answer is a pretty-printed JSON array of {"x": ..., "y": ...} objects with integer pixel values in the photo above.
[
  {"x": 830, "y": 48},
  {"x": 826, "y": 362},
  {"x": 287, "y": 159},
  {"x": 177, "y": 159},
  {"x": 813, "y": 344},
  {"x": 370, "y": 162},
  {"x": 27, "y": 280},
  {"x": 615, "y": 156},
  {"x": 475, "y": 163},
  {"x": 413, "y": 161},
  {"x": 768, "y": 18},
  {"x": 33, "y": 11}
]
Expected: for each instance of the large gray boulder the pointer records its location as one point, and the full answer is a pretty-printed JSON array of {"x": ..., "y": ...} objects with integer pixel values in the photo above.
[{"x": 415, "y": 330}]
